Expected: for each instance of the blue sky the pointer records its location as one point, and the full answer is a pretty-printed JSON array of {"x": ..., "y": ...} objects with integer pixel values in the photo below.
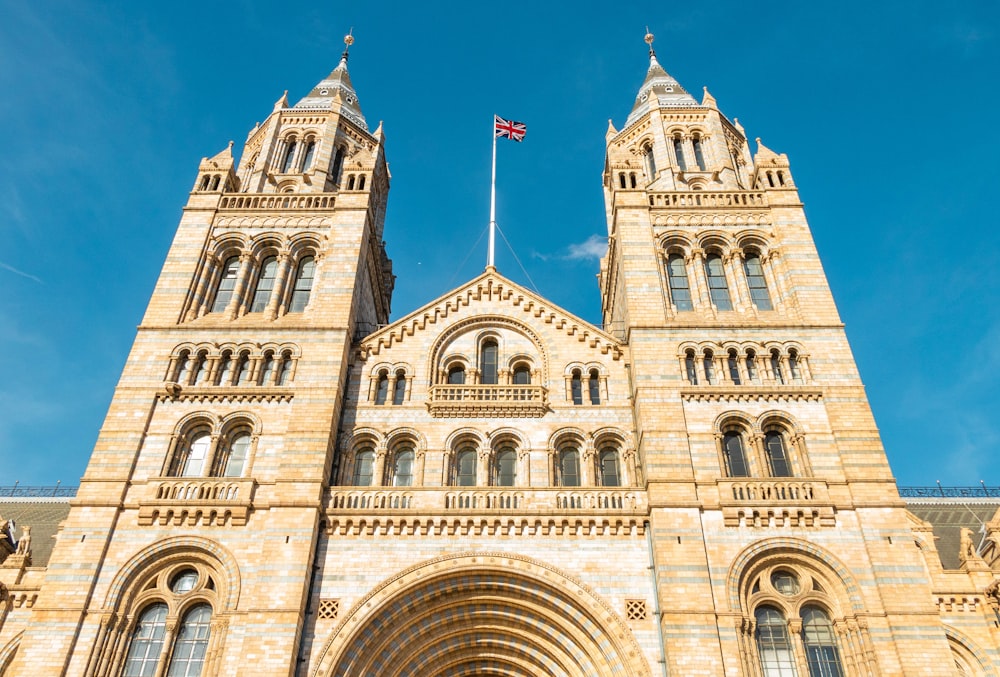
[{"x": 886, "y": 110}]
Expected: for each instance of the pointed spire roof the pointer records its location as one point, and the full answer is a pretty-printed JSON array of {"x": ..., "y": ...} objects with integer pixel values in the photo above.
[
  {"x": 335, "y": 91},
  {"x": 659, "y": 89}
]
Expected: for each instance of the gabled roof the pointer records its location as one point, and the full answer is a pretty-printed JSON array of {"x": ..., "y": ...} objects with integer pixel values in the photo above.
[
  {"x": 493, "y": 287},
  {"x": 335, "y": 92},
  {"x": 659, "y": 90}
]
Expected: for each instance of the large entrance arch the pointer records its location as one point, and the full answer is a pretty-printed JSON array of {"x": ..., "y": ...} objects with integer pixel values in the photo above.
[{"x": 490, "y": 614}]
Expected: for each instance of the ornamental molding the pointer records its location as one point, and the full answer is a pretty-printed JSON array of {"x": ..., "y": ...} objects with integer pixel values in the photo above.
[
  {"x": 174, "y": 392},
  {"x": 738, "y": 394},
  {"x": 322, "y": 222},
  {"x": 716, "y": 217}
]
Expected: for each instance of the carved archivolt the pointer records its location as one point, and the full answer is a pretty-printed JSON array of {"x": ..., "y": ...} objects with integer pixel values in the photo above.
[{"x": 312, "y": 222}]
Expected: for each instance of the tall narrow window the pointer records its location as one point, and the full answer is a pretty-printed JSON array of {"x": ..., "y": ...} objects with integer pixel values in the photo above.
[
  {"x": 402, "y": 469},
  {"x": 267, "y": 373},
  {"x": 243, "y": 370},
  {"x": 820, "y": 644},
  {"x": 265, "y": 284},
  {"x": 364, "y": 462},
  {"x": 734, "y": 367},
  {"x": 699, "y": 155},
  {"x": 689, "y": 367},
  {"x": 576, "y": 387},
  {"x": 717, "y": 285},
  {"x": 382, "y": 388},
  {"x": 286, "y": 164},
  {"x": 465, "y": 468},
  {"x": 188, "y": 657},
  {"x": 225, "y": 375},
  {"x": 522, "y": 375},
  {"x": 755, "y": 280},
  {"x": 795, "y": 372},
  {"x": 505, "y": 472},
  {"x": 777, "y": 455},
  {"x": 650, "y": 161},
  {"x": 183, "y": 367},
  {"x": 708, "y": 362},
  {"x": 621, "y": 180},
  {"x": 285, "y": 373},
  {"x": 569, "y": 468},
  {"x": 677, "y": 280},
  {"x": 610, "y": 475},
  {"x": 227, "y": 283},
  {"x": 307, "y": 159},
  {"x": 679, "y": 153},
  {"x": 399, "y": 389},
  {"x": 456, "y": 375},
  {"x": 752, "y": 366},
  {"x": 774, "y": 644},
  {"x": 488, "y": 363},
  {"x": 337, "y": 165},
  {"x": 776, "y": 367},
  {"x": 232, "y": 462},
  {"x": 146, "y": 644},
  {"x": 594, "y": 386},
  {"x": 303, "y": 284},
  {"x": 201, "y": 369},
  {"x": 736, "y": 459}
]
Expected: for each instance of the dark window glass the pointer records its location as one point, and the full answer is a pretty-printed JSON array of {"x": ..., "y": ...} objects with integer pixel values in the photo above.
[
  {"x": 488, "y": 363},
  {"x": 286, "y": 165},
  {"x": 147, "y": 642},
  {"x": 363, "y": 464},
  {"x": 382, "y": 388},
  {"x": 522, "y": 375},
  {"x": 621, "y": 179},
  {"x": 303, "y": 285},
  {"x": 679, "y": 153},
  {"x": 699, "y": 156},
  {"x": 751, "y": 365},
  {"x": 677, "y": 279},
  {"x": 595, "y": 387},
  {"x": 456, "y": 375},
  {"x": 650, "y": 164},
  {"x": 569, "y": 468},
  {"x": 610, "y": 476},
  {"x": 736, "y": 460},
  {"x": 506, "y": 468},
  {"x": 776, "y": 367},
  {"x": 777, "y": 455},
  {"x": 465, "y": 468},
  {"x": 820, "y": 644},
  {"x": 709, "y": 363},
  {"x": 774, "y": 644},
  {"x": 227, "y": 283},
  {"x": 576, "y": 387},
  {"x": 399, "y": 390},
  {"x": 717, "y": 286},
  {"x": 692, "y": 372},
  {"x": 756, "y": 282},
  {"x": 191, "y": 645},
  {"x": 307, "y": 160},
  {"x": 734, "y": 367},
  {"x": 265, "y": 285},
  {"x": 337, "y": 165},
  {"x": 402, "y": 472}
]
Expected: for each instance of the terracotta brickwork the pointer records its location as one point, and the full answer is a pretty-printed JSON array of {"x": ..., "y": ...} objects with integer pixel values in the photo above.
[{"x": 287, "y": 483}]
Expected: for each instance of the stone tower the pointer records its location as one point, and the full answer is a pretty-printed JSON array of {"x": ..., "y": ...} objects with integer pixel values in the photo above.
[{"x": 289, "y": 484}]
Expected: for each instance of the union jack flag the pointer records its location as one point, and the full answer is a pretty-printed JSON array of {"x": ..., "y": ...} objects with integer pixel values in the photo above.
[{"x": 509, "y": 129}]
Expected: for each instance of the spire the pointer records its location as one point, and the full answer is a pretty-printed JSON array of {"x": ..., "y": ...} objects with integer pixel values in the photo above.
[
  {"x": 659, "y": 89},
  {"x": 335, "y": 91}
]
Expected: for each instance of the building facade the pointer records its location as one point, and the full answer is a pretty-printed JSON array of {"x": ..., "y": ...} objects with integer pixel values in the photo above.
[{"x": 289, "y": 484}]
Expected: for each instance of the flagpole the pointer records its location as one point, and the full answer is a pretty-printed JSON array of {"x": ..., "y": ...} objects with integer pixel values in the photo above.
[{"x": 493, "y": 200}]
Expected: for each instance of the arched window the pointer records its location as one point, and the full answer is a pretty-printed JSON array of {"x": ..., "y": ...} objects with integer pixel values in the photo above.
[
  {"x": 820, "y": 644},
  {"x": 337, "y": 164},
  {"x": 465, "y": 468},
  {"x": 594, "y": 386},
  {"x": 679, "y": 153},
  {"x": 793, "y": 366},
  {"x": 677, "y": 280},
  {"x": 146, "y": 644},
  {"x": 755, "y": 280},
  {"x": 285, "y": 373},
  {"x": 699, "y": 155},
  {"x": 231, "y": 460},
  {"x": 200, "y": 369},
  {"x": 190, "y": 461},
  {"x": 621, "y": 180},
  {"x": 777, "y": 455},
  {"x": 286, "y": 164},
  {"x": 303, "y": 284},
  {"x": 364, "y": 462},
  {"x": 188, "y": 656},
  {"x": 267, "y": 373},
  {"x": 205, "y": 179},
  {"x": 382, "y": 387},
  {"x": 488, "y": 362},
  {"x": 456, "y": 375},
  {"x": 718, "y": 288},
  {"x": 399, "y": 389},
  {"x": 776, "y": 367},
  {"x": 734, "y": 367},
  {"x": 576, "y": 387},
  {"x": 350, "y": 182},
  {"x": 773, "y": 643},
  {"x": 735, "y": 455},
  {"x": 751, "y": 366},
  {"x": 307, "y": 159},
  {"x": 708, "y": 362},
  {"x": 522, "y": 375},
  {"x": 227, "y": 283},
  {"x": 402, "y": 468},
  {"x": 689, "y": 367},
  {"x": 505, "y": 468},
  {"x": 183, "y": 367},
  {"x": 568, "y": 468},
  {"x": 243, "y": 370},
  {"x": 608, "y": 468},
  {"x": 225, "y": 375},
  {"x": 361, "y": 182},
  {"x": 265, "y": 284},
  {"x": 650, "y": 161},
  {"x": 631, "y": 178}
]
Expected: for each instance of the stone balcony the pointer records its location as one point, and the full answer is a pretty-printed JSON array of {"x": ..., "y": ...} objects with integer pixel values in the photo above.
[
  {"x": 743, "y": 199},
  {"x": 197, "y": 500},
  {"x": 276, "y": 201},
  {"x": 521, "y": 401},
  {"x": 776, "y": 502}
]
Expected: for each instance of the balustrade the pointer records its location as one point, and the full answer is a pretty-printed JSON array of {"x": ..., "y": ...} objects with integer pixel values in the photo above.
[
  {"x": 291, "y": 201},
  {"x": 699, "y": 199}
]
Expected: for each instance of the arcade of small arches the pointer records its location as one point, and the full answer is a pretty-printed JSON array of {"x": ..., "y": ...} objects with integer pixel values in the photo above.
[
  {"x": 269, "y": 276},
  {"x": 232, "y": 365},
  {"x": 769, "y": 445},
  {"x": 744, "y": 364}
]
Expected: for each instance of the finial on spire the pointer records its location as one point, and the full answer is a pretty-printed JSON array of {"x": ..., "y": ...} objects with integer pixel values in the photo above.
[
  {"x": 649, "y": 41},
  {"x": 348, "y": 41}
]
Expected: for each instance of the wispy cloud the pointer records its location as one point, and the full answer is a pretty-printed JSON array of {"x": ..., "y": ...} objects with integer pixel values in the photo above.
[
  {"x": 20, "y": 272},
  {"x": 593, "y": 247}
]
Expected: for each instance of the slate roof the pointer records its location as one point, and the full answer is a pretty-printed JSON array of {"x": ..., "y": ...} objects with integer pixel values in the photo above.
[
  {"x": 43, "y": 515},
  {"x": 659, "y": 90},
  {"x": 336, "y": 90},
  {"x": 948, "y": 516}
]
